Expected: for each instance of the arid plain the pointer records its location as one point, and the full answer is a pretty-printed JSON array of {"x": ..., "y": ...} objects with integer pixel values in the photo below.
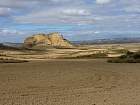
[{"x": 47, "y": 81}]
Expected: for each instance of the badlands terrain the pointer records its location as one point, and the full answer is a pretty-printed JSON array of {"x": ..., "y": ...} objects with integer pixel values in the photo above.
[
  {"x": 54, "y": 46},
  {"x": 74, "y": 75},
  {"x": 77, "y": 51}
]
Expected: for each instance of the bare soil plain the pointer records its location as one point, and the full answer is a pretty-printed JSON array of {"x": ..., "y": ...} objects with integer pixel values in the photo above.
[
  {"x": 69, "y": 82},
  {"x": 45, "y": 81}
]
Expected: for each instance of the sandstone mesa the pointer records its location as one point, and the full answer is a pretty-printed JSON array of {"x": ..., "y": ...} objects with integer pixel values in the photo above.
[{"x": 52, "y": 39}]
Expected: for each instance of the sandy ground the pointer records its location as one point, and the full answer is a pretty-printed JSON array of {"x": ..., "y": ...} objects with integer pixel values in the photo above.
[{"x": 70, "y": 82}]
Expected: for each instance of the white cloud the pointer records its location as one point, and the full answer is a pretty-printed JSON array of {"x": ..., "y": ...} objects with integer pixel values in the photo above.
[
  {"x": 59, "y": 15},
  {"x": 103, "y": 1},
  {"x": 132, "y": 9},
  {"x": 5, "y": 11},
  {"x": 75, "y": 12},
  {"x": 17, "y": 3},
  {"x": 132, "y": 6},
  {"x": 54, "y": 20},
  {"x": 6, "y": 31},
  {"x": 59, "y": 1},
  {"x": 87, "y": 32},
  {"x": 32, "y": 3}
]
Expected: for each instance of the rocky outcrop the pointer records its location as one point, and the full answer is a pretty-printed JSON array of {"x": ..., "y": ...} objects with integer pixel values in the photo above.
[{"x": 52, "y": 39}]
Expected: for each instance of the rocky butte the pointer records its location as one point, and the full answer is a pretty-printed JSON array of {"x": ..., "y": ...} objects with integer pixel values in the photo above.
[{"x": 47, "y": 40}]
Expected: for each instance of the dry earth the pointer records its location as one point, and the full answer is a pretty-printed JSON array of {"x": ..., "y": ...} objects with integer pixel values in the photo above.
[{"x": 70, "y": 82}]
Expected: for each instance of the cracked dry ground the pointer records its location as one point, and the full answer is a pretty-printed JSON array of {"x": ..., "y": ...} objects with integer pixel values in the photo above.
[{"x": 69, "y": 82}]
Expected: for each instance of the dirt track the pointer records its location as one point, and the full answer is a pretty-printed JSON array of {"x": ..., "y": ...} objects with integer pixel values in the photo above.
[{"x": 69, "y": 82}]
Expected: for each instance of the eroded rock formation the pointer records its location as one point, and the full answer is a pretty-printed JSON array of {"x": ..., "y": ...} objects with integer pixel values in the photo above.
[{"x": 52, "y": 39}]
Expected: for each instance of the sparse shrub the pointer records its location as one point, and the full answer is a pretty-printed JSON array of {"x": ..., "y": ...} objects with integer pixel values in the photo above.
[
  {"x": 136, "y": 55},
  {"x": 129, "y": 57},
  {"x": 121, "y": 51},
  {"x": 8, "y": 60},
  {"x": 123, "y": 56},
  {"x": 91, "y": 56}
]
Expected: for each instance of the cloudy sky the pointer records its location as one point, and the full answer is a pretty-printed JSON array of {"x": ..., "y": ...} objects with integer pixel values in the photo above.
[{"x": 75, "y": 19}]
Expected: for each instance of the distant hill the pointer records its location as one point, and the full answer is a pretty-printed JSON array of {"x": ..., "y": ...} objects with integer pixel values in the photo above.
[
  {"x": 108, "y": 41},
  {"x": 9, "y": 47},
  {"x": 13, "y": 44}
]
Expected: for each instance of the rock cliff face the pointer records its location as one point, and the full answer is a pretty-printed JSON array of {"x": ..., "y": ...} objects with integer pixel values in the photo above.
[{"x": 52, "y": 39}]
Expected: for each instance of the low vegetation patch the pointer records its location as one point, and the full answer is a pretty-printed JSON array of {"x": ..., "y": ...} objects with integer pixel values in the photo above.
[
  {"x": 129, "y": 57},
  {"x": 7, "y": 60},
  {"x": 91, "y": 56},
  {"x": 124, "y": 51}
]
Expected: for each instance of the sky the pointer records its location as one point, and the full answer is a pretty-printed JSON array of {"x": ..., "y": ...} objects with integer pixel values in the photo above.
[{"x": 74, "y": 19}]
